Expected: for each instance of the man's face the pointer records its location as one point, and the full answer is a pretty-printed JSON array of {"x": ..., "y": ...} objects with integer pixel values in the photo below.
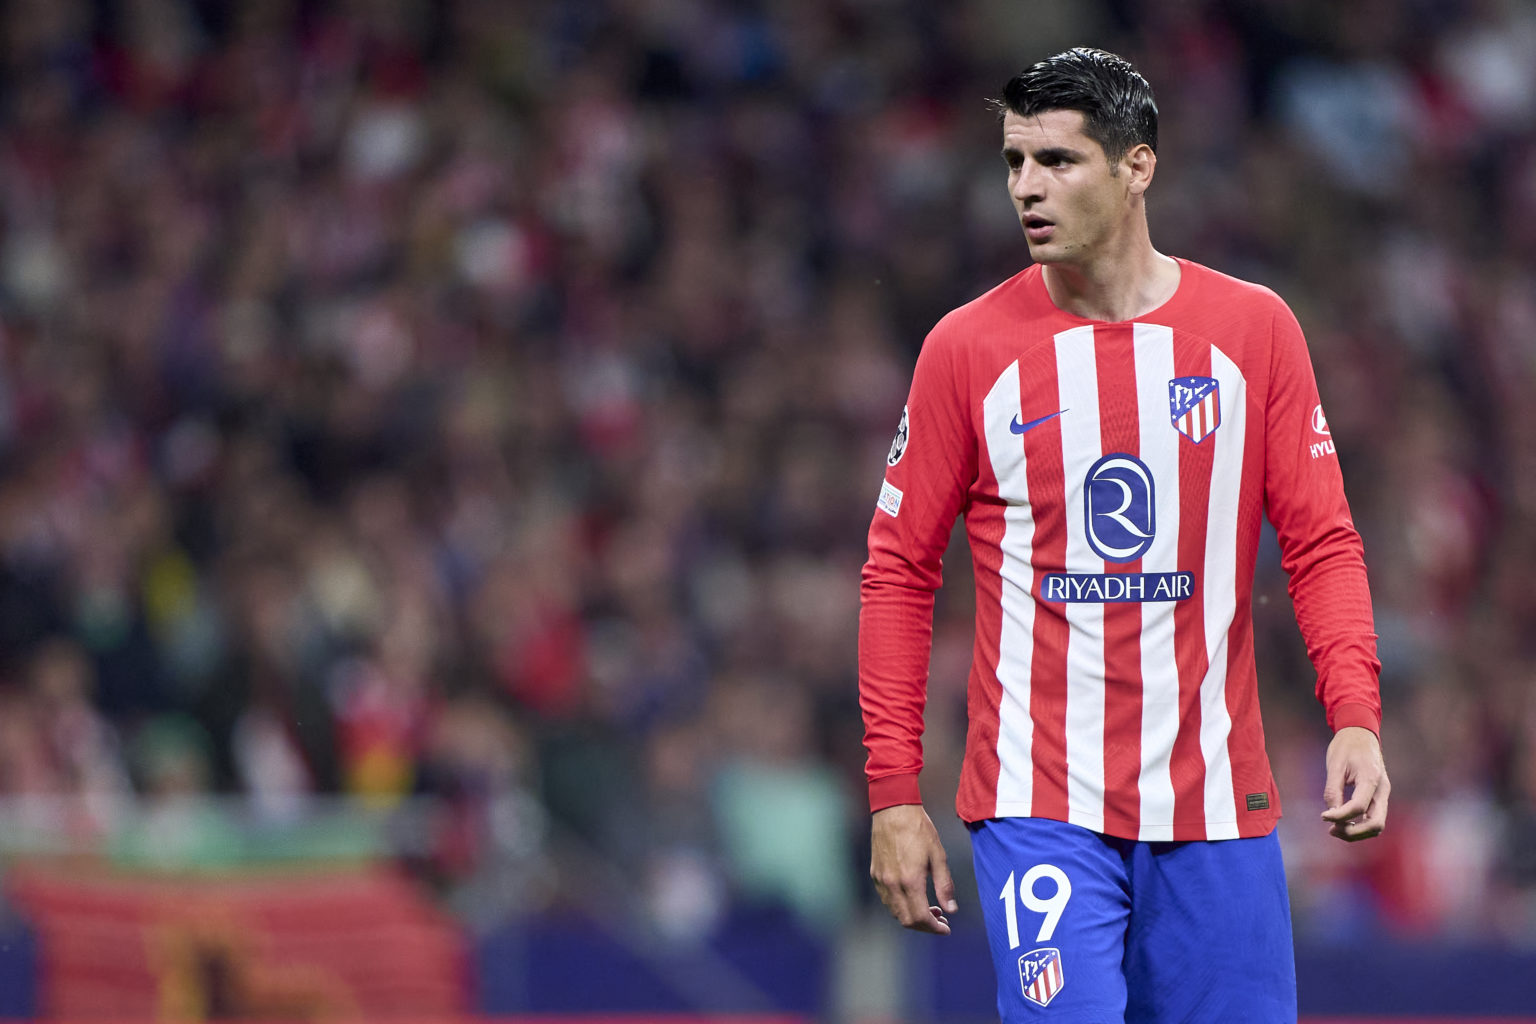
[{"x": 1070, "y": 205}]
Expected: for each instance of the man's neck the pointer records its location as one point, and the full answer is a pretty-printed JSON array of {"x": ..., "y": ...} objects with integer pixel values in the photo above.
[{"x": 1114, "y": 289}]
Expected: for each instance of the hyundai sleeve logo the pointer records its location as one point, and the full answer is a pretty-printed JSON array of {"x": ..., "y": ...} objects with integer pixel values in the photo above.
[{"x": 1119, "y": 507}]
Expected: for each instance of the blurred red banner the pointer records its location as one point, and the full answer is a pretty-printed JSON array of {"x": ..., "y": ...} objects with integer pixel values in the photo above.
[{"x": 356, "y": 944}]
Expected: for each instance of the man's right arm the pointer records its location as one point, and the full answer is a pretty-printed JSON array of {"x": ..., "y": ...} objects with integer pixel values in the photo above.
[{"x": 928, "y": 472}]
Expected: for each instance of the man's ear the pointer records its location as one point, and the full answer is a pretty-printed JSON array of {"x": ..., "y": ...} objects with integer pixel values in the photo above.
[{"x": 1139, "y": 164}]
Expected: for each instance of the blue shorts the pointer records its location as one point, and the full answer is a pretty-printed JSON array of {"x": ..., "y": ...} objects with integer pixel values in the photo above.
[{"x": 1089, "y": 928}]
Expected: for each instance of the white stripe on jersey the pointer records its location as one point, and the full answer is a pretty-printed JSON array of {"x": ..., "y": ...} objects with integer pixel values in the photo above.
[
  {"x": 1015, "y": 728},
  {"x": 1220, "y": 590},
  {"x": 1159, "y": 661},
  {"x": 1077, "y": 378}
]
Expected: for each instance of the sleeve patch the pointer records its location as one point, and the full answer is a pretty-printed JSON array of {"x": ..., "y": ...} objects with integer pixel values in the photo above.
[
  {"x": 890, "y": 499},
  {"x": 899, "y": 445}
]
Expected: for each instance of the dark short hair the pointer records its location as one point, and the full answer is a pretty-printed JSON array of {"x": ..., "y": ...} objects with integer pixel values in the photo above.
[{"x": 1116, "y": 102}]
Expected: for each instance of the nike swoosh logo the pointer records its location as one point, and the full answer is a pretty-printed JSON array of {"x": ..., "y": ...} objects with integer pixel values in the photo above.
[{"x": 1019, "y": 428}]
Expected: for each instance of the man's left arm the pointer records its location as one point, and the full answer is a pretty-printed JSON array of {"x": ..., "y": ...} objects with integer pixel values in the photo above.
[{"x": 1322, "y": 554}]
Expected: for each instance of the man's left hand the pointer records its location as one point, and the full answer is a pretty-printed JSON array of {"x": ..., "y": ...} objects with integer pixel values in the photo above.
[{"x": 1354, "y": 760}]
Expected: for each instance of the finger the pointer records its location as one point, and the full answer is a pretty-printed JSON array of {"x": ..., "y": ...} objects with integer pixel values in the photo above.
[
  {"x": 1369, "y": 825},
  {"x": 944, "y": 885},
  {"x": 893, "y": 895},
  {"x": 926, "y": 919},
  {"x": 939, "y": 923},
  {"x": 1333, "y": 788},
  {"x": 907, "y": 900},
  {"x": 1356, "y": 806},
  {"x": 1354, "y": 831},
  {"x": 1345, "y": 772},
  {"x": 1346, "y": 812}
]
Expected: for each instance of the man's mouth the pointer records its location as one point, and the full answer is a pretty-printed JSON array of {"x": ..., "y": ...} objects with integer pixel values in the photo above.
[{"x": 1036, "y": 227}]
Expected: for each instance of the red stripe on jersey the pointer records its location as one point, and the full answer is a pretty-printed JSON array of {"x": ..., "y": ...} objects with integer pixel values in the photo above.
[
  {"x": 1245, "y": 744},
  {"x": 1120, "y": 431},
  {"x": 1040, "y": 389},
  {"x": 1187, "y": 765}
]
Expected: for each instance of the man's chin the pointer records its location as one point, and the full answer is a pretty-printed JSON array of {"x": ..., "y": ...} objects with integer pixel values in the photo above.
[{"x": 1044, "y": 252}]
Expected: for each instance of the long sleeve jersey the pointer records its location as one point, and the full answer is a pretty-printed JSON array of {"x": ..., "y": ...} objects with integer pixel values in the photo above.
[{"x": 1112, "y": 478}]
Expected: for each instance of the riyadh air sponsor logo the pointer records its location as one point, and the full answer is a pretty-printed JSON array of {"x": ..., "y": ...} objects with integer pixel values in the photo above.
[
  {"x": 1119, "y": 511},
  {"x": 1120, "y": 508},
  {"x": 1040, "y": 975},
  {"x": 1116, "y": 588},
  {"x": 1194, "y": 406}
]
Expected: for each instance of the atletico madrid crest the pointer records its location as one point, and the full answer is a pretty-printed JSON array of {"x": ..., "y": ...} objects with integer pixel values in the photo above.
[
  {"x": 1194, "y": 404},
  {"x": 1040, "y": 974}
]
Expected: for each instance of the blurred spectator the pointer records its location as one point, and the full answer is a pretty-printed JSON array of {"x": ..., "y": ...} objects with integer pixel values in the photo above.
[
  {"x": 488, "y": 849},
  {"x": 82, "y": 745},
  {"x": 178, "y": 827},
  {"x": 784, "y": 819}
]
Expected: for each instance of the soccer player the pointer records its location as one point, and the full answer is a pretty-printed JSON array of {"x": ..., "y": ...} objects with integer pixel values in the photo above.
[{"x": 1112, "y": 423}]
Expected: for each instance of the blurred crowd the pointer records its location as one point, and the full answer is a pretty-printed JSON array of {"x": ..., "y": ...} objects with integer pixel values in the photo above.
[{"x": 488, "y": 401}]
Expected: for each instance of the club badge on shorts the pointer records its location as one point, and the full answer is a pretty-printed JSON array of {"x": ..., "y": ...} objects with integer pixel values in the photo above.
[
  {"x": 1194, "y": 405},
  {"x": 1040, "y": 974}
]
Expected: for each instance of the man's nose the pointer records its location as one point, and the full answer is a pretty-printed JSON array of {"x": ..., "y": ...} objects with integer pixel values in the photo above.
[{"x": 1026, "y": 184}]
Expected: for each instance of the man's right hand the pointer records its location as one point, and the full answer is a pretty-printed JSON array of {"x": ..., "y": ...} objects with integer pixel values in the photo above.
[{"x": 905, "y": 853}]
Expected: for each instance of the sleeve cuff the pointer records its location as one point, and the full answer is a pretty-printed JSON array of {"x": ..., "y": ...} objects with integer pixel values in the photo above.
[
  {"x": 1346, "y": 715},
  {"x": 891, "y": 790}
]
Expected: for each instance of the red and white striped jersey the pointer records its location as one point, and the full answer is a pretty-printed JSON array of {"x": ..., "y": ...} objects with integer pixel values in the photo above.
[{"x": 1112, "y": 477}]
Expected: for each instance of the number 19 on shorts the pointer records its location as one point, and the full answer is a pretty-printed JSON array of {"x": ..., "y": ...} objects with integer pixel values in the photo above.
[
  {"x": 1040, "y": 970},
  {"x": 1052, "y": 906}
]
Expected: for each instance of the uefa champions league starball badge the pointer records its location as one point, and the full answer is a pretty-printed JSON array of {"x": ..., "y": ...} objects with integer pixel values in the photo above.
[{"x": 899, "y": 445}]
